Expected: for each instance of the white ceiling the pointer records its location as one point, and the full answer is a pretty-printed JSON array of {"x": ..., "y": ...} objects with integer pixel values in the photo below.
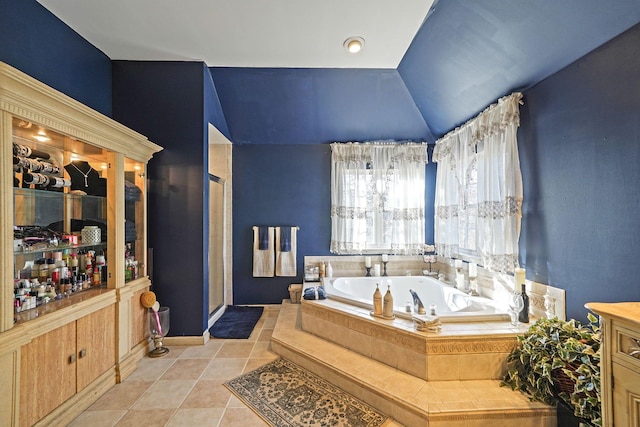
[{"x": 247, "y": 33}]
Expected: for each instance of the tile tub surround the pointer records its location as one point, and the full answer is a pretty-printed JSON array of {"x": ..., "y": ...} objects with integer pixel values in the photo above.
[
  {"x": 410, "y": 401},
  {"x": 461, "y": 351},
  {"x": 544, "y": 300}
]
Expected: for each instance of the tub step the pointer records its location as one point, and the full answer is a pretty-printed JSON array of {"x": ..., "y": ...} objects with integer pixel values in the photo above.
[{"x": 409, "y": 400}]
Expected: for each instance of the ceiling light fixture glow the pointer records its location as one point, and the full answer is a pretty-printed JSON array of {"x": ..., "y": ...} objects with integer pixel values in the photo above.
[{"x": 354, "y": 44}]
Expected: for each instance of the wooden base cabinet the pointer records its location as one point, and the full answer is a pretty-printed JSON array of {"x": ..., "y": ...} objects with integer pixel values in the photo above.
[
  {"x": 76, "y": 355},
  {"x": 620, "y": 362}
]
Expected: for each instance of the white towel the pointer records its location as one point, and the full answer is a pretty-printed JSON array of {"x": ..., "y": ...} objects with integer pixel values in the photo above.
[
  {"x": 286, "y": 261},
  {"x": 263, "y": 259}
]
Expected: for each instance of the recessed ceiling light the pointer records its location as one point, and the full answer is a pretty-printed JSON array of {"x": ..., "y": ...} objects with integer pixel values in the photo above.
[{"x": 354, "y": 44}]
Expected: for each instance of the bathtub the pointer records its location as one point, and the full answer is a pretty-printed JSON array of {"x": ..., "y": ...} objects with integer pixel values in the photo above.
[{"x": 451, "y": 305}]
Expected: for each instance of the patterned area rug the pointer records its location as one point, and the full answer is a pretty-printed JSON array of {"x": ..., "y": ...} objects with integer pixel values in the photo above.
[{"x": 284, "y": 394}]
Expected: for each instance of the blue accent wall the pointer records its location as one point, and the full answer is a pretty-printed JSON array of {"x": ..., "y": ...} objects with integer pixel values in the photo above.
[
  {"x": 164, "y": 100},
  {"x": 36, "y": 42},
  {"x": 469, "y": 53},
  {"x": 276, "y": 185},
  {"x": 286, "y": 185},
  {"x": 310, "y": 106},
  {"x": 579, "y": 146}
]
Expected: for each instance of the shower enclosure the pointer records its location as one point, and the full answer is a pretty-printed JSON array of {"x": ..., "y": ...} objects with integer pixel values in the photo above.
[{"x": 217, "y": 188}]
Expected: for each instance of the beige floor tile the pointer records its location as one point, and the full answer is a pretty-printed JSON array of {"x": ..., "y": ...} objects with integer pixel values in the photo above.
[
  {"x": 105, "y": 418},
  {"x": 234, "y": 349},
  {"x": 245, "y": 417},
  {"x": 224, "y": 369},
  {"x": 196, "y": 417},
  {"x": 174, "y": 351},
  {"x": 207, "y": 394},
  {"x": 255, "y": 363},
  {"x": 155, "y": 417},
  {"x": 207, "y": 351},
  {"x": 234, "y": 402},
  {"x": 165, "y": 394},
  {"x": 150, "y": 369},
  {"x": 265, "y": 334},
  {"x": 185, "y": 369},
  {"x": 121, "y": 396},
  {"x": 261, "y": 349}
]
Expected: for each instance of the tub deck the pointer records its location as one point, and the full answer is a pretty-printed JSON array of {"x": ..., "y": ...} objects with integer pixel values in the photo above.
[{"x": 410, "y": 400}]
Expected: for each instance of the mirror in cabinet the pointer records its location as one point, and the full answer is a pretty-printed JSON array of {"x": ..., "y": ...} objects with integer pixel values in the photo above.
[{"x": 60, "y": 218}]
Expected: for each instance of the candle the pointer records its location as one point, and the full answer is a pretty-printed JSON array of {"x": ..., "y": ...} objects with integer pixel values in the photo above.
[
  {"x": 385, "y": 257},
  {"x": 376, "y": 270},
  {"x": 458, "y": 263},
  {"x": 473, "y": 269},
  {"x": 520, "y": 276},
  {"x": 367, "y": 261}
]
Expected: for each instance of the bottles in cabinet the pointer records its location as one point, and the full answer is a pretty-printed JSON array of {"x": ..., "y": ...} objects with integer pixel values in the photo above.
[{"x": 56, "y": 275}]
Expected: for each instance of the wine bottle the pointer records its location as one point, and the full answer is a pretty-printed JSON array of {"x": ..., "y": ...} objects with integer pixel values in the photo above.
[{"x": 523, "y": 316}]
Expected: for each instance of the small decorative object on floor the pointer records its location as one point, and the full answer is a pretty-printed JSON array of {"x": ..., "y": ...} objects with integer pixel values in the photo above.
[
  {"x": 286, "y": 395},
  {"x": 237, "y": 322}
]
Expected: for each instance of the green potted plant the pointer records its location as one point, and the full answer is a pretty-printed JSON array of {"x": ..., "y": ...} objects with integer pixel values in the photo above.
[{"x": 558, "y": 361}]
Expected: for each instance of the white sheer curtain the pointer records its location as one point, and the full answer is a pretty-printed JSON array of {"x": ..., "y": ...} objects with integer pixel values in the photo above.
[
  {"x": 378, "y": 197},
  {"x": 479, "y": 187}
]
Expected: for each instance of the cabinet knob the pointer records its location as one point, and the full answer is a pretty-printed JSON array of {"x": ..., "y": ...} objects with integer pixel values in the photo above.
[
  {"x": 72, "y": 358},
  {"x": 83, "y": 352}
]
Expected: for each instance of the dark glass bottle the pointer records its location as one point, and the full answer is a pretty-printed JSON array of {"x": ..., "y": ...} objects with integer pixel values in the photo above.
[{"x": 523, "y": 316}]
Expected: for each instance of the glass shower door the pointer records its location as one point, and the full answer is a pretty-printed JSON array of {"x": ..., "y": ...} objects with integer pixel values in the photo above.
[{"x": 216, "y": 242}]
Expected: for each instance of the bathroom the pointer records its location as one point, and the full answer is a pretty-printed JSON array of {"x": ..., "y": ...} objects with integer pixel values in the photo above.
[{"x": 578, "y": 144}]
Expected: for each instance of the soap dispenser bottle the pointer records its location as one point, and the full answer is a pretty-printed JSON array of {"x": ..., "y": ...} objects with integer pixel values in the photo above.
[
  {"x": 377, "y": 302},
  {"x": 387, "y": 307}
]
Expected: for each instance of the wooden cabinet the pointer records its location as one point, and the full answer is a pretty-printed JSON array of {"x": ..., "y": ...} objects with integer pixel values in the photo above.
[
  {"x": 620, "y": 362},
  {"x": 76, "y": 355},
  {"x": 65, "y": 167},
  {"x": 45, "y": 383}
]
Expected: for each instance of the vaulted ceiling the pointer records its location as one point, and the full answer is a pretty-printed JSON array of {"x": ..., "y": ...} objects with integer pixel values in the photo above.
[{"x": 283, "y": 76}]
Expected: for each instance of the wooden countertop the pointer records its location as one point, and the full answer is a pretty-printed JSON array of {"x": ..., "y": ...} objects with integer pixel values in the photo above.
[{"x": 628, "y": 311}]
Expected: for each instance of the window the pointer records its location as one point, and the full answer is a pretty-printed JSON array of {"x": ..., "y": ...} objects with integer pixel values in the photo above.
[
  {"x": 478, "y": 201},
  {"x": 378, "y": 197}
]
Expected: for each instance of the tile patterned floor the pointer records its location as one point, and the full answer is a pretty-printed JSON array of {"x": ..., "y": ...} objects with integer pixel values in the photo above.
[{"x": 185, "y": 387}]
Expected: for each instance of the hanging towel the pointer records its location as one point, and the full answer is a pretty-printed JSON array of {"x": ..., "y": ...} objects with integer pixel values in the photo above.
[
  {"x": 263, "y": 259},
  {"x": 263, "y": 238},
  {"x": 285, "y": 239},
  {"x": 286, "y": 260}
]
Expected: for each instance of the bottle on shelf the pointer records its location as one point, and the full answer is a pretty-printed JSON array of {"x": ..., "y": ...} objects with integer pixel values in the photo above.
[
  {"x": 387, "y": 303},
  {"x": 523, "y": 316},
  {"x": 377, "y": 302}
]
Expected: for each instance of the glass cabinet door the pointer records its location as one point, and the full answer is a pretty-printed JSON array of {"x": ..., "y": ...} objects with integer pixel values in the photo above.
[
  {"x": 60, "y": 217},
  {"x": 135, "y": 213}
]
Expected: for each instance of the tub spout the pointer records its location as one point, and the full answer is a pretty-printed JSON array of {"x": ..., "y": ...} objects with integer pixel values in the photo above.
[{"x": 418, "y": 307}]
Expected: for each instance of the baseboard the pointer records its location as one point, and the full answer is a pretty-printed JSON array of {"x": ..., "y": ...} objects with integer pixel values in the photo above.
[
  {"x": 185, "y": 341},
  {"x": 129, "y": 364}
]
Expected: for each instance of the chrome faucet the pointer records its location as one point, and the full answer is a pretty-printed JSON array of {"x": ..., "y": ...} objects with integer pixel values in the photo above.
[{"x": 418, "y": 307}]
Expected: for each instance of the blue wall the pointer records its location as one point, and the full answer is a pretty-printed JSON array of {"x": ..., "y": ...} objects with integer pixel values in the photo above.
[
  {"x": 35, "y": 41},
  {"x": 580, "y": 150},
  {"x": 286, "y": 185},
  {"x": 277, "y": 185},
  {"x": 164, "y": 100}
]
